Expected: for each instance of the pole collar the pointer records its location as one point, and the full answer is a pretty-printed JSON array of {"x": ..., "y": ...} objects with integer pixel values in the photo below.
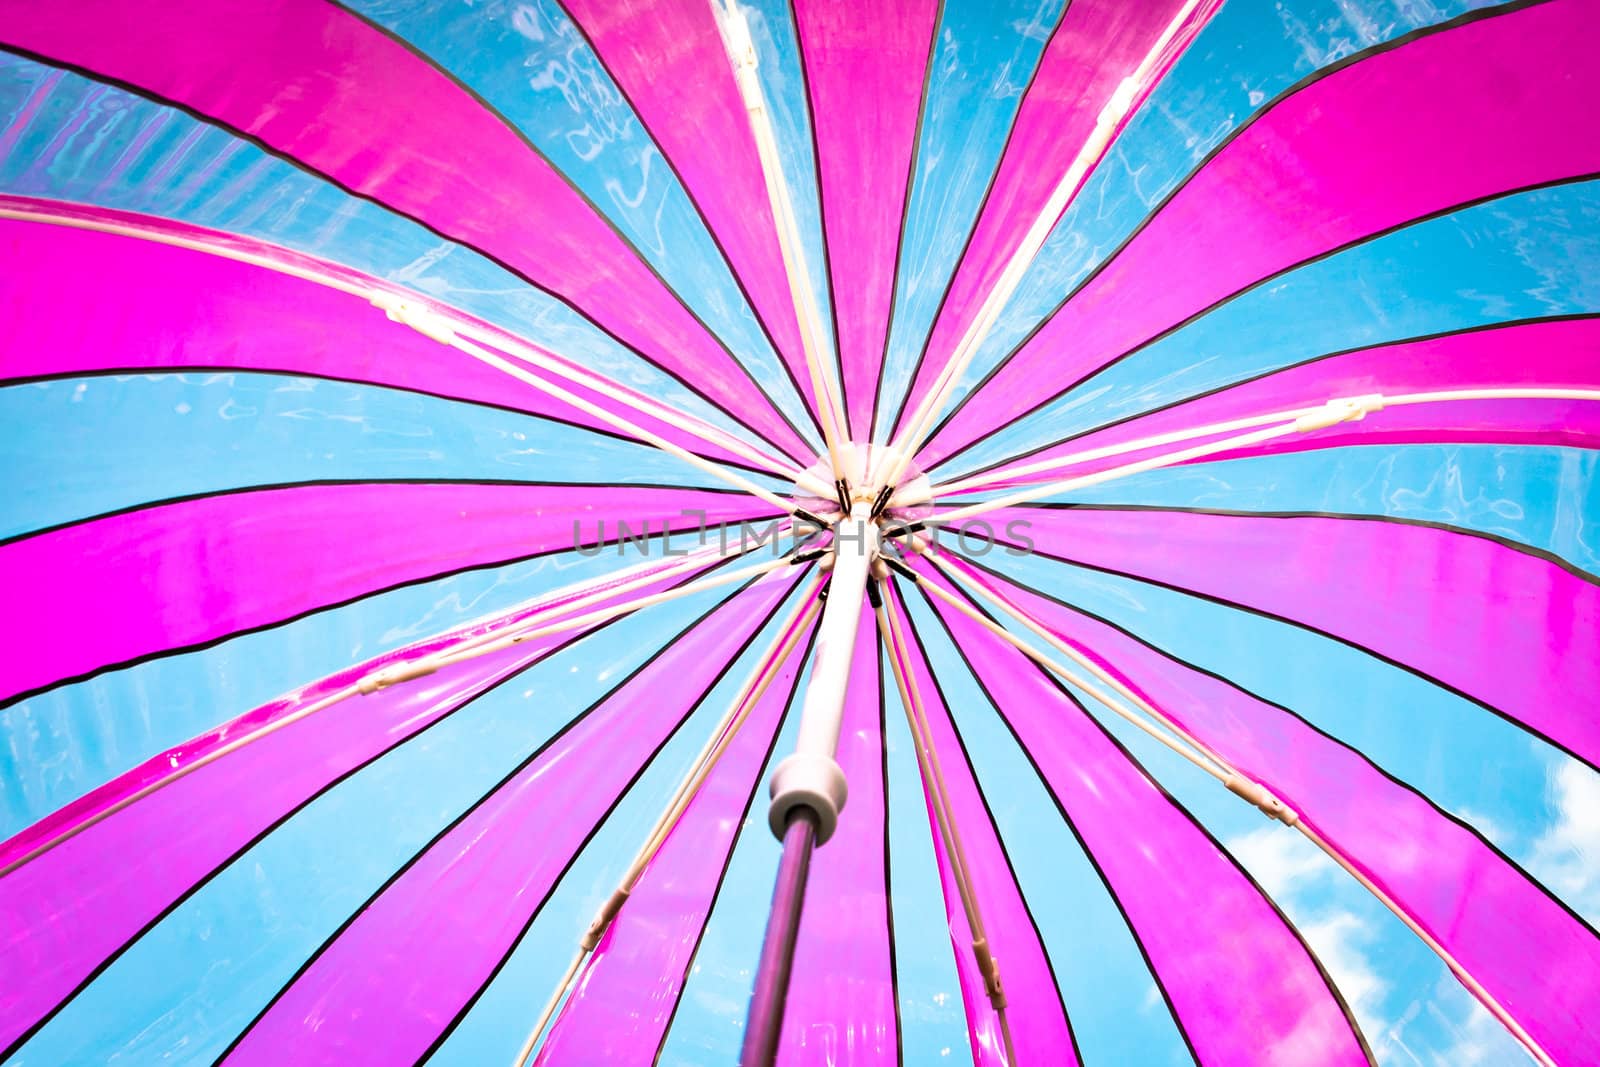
[{"x": 809, "y": 780}]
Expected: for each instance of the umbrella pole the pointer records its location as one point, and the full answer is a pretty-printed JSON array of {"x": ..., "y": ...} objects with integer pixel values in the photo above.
[
  {"x": 777, "y": 949},
  {"x": 808, "y": 788}
]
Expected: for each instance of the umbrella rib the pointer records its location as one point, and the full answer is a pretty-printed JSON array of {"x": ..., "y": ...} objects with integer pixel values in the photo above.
[
  {"x": 1123, "y": 99},
  {"x": 986, "y": 479},
  {"x": 989, "y": 479},
  {"x": 500, "y": 638},
  {"x": 1299, "y": 420},
  {"x": 427, "y": 322},
  {"x": 1039, "y": 492},
  {"x": 938, "y": 794},
  {"x": 450, "y": 319},
  {"x": 594, "y": 590},
  {"x": 740, "y": 47},
  {"x": 673, "y": 417},
  {"x": 581, "y": 594},
  {"x": 408, "y": 670},
  {"x": 1202, "y": 756},
  {"x": 750, "y": 694},
  {"x": 504, "y": 639},
  {"x": 1162, "y": 729}
]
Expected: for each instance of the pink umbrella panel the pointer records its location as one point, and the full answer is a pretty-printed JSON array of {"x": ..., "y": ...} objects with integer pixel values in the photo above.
[{"x": 1094, "y": 502}]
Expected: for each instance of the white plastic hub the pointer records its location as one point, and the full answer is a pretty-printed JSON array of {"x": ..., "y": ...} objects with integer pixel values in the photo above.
[
  {"x": 914, "y": 491},
  {"x": 812, "y": 778},
  {"x": 807, "y": 780}
]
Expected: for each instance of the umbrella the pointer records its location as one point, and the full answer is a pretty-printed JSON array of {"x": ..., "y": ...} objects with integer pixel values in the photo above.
[{"x": 814, "y": 532}]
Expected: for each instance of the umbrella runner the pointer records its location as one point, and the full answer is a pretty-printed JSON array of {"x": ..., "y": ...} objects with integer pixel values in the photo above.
[{"x": 849, "y": 536}]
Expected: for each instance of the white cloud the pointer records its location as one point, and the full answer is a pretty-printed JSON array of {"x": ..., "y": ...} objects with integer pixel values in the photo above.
[
  {"x": 1566, "y": 857},
  {"x": 1291, "y": 869},
  {"x": 1281, "y": 861},
  {"x": 1488, "y": 826},
  {"x": 1478, "y": 1038},
  {"x": 1337, "y": 939},
  {"x": 1297, "y": 875}
]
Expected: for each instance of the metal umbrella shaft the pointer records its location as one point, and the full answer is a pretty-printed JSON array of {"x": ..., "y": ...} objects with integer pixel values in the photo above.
[
  {"x": 777, "y": 949},
  {"x": 808, "y": 788}
]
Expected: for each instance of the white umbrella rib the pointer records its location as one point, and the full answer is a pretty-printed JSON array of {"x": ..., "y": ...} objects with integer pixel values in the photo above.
[
  {"x": 1304, "y": 418},
  {"x": 442, "y": 322},
  {"x": 408, "y": 670},
  {"x": 740, "y": 46},
  {"x": 1155, "y": 723},
  {"x": 1122, "y": 100},
  {"x": 938, "y": 794},
  {"x": 744, "y": 702}
]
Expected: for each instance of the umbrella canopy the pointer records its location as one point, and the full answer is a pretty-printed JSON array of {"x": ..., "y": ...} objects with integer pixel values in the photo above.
[{"x": 456, "y": 452}]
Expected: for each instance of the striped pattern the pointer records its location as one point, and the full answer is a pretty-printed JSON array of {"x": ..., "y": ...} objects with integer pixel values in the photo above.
[{"x": 238, "y": 488}]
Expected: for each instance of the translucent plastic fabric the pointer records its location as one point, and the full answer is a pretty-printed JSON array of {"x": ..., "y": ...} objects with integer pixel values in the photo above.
[
  {"x": 655, "y": 937},
  {"x": 235, "y": 316},
  {"x": 483, "y": 898},
  {"x": 1095, "y": 45},
  {"x": 145, "y": 856},
  {"x": 864, "y": 158},
  {"x": 1457, "y": 606},
  {"x": 669, "y": 60},
  {"x": 316, "y": 83},
  {"x": 1038, "y": 1017},
  {"x": 284, "y": 551},
  {"x": 1541, "y": 956},
  {"x": 1553, "y": 354},
  {"x": 1264, "y": 1001},
  {"x": 1380, "y": 140},
  {"x": 236, "y": 490}
]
